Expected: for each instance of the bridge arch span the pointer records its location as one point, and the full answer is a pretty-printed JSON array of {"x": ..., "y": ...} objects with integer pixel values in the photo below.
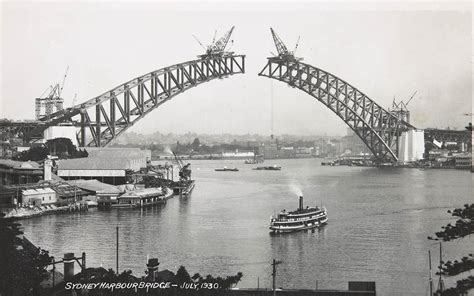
[
  {"x": 378, "y": 128},
  {"x": 103, "y": 118}
]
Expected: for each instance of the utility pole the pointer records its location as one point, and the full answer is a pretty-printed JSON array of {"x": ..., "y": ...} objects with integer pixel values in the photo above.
[
  {"x": 274, "y": 265},
  {"x": 431, "y": 279},
  {"x": 117, "y": 253},
  {"x": 440, "y": 283}
]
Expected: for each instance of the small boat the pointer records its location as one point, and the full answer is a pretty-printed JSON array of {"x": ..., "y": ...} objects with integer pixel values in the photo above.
[
  {"x": 268, "y": 168},
  {"x": 299, "y": 219},
  {"x": 256, "y": 159},
  {"x": 226, "y": 169}
]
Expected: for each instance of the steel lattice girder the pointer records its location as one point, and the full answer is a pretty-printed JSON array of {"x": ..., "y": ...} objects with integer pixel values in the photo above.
[
  {"x": 107, "y": 116},
  {"x": 458, "y": 136},
  {"x": 378, "y": 128}
]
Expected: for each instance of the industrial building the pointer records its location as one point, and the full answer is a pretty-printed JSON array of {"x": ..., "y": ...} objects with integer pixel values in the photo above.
[
  {"x": 98, "y": 191},
  {"x": 107, "y": 165},
  {"x": 39, "y": 196},
  {"x": 19, "y": 172},
  {"x": 55, "y": 192}
]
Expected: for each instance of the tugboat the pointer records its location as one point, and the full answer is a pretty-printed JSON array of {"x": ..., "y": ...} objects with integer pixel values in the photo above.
[{"x": 299, "y": 219}]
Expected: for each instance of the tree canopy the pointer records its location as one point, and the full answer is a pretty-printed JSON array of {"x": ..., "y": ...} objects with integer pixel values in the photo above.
[
  {"x": 23, "y": 266},
  {"x": 463, "y": 227}
]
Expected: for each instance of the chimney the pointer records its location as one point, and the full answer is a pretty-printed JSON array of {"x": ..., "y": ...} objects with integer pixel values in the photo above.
[
  {"x": 68, "y": 260},
  {"x": 47, "y": 170},
  {"x": 152, "y": 266},
  {"x": 301, "y": 202}
]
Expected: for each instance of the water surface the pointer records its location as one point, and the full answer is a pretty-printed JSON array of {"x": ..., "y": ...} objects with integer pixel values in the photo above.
[{"x": 379, "y": 220}]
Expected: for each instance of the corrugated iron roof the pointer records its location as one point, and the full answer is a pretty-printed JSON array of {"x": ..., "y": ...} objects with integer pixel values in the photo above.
[
  {"x": 38, "y": 191},
  {"x": 96, "y": 186},
  {"x": 143, "y": 193},
  {"x": 94, "y": 164},
  {"x": 28, "y": 165},
  {"x": 114, "y": 153}
]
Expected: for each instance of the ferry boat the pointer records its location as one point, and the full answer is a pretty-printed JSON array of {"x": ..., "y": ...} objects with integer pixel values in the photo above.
[{"x": 299, "y": 219}]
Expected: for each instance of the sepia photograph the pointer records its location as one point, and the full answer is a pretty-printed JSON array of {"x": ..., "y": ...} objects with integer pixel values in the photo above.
[{"x": 240, "y": 148}]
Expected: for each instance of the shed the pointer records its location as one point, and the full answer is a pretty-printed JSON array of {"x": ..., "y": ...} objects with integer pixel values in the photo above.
[{"x": 38, "y": 196}]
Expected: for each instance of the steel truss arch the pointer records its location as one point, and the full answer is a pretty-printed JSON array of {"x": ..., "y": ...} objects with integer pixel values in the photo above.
[
  {"x": 378, "y": 128},
  {"x": 103, "y": 118}
]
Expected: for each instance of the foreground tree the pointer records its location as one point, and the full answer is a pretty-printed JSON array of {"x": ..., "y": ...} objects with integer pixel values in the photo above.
[
  {"x": 463, "y": 227},
  {"x": 23, "y": 266}
]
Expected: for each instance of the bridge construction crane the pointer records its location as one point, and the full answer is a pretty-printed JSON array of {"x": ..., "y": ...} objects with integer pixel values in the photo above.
[
  {"x": 217, "y": 48},
  {"x": 402, "y": 106},
  {"x": 52, "y": 101},
  {"x": 283, "y": 52},
  {"x": 184, "y": 170}
]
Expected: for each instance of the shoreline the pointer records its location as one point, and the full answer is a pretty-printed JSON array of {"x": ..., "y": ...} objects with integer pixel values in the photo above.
[{"x": 25, "y": 213}]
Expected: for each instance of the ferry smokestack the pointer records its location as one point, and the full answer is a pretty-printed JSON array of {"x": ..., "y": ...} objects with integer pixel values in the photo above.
[{"x": 301, "y": 202}]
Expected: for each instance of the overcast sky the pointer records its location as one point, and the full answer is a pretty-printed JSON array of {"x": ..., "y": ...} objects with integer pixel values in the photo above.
[{"x": 384, "y": 50}]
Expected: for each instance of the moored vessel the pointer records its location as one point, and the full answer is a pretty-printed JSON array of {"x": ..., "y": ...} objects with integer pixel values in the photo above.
[
  {"x": 268, "y": 168},
  {"x": 299, "y": 219},
  {"x": 226, "y": 169}
]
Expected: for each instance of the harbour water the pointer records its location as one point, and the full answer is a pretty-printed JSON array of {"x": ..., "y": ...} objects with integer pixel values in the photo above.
[{"x": 379, "y": 220}]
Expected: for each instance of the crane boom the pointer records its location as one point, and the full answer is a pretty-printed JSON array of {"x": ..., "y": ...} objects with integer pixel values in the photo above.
[
  {"x": 199, "y": 42},
  {"x": 220, "y": 44},
  {"x": 413, "y": 95},
  {"x": 296, "y": 46},
  {"x": 283, "y": 52},
  {"x": 64, "y": 81},
  {"x": 216, "y": 48},
  {"x": 281, "y": 47}
]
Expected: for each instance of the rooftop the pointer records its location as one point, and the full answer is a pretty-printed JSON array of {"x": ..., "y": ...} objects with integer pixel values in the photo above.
[
  {"x": 96, "y": 186},
  {"x": 92, "y": 163},
  {"x": 38, "y": 191},
  {"x": 23, "y": 165},
  {"x": 140, "y": 193},
  {"x": 114, "y": 153}
]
